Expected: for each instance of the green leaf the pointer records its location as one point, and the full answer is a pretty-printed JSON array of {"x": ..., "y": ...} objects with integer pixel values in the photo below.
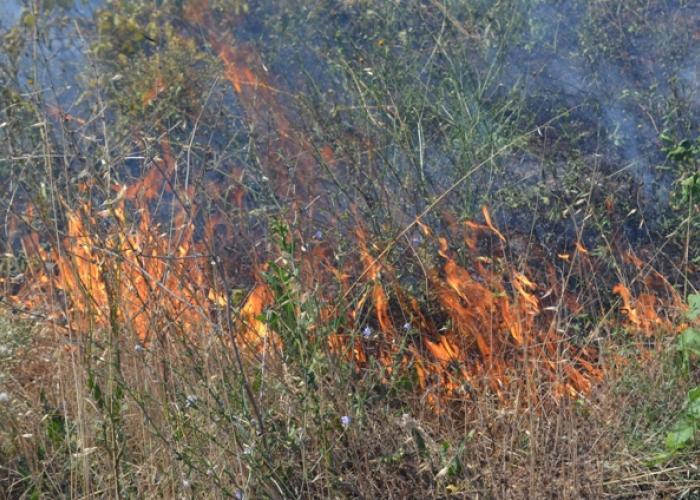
[
  {"x": 689, "y": 341},
  {"x": 693, "y": 409},
  {"x": 455, "y": 468},
  {"x": 96, "y": 391},
  {"x": 693, "y": 307},
  {"x": 694, "y": 394},
  {"x": 659, "y": 458},
  {"x": 56, "y": 429},
  {"x": 681, "y": 435}
]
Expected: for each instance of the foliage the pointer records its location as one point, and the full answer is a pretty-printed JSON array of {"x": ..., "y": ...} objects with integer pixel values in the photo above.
[
  {"x": 151, "y": 71},
  {"x": 685, "y": 154},
  {"x": 684, "y": 431},
  {"x": 393, "y": 102}
]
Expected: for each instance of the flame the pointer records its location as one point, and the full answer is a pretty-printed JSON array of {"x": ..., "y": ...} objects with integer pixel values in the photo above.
[
  {"x": 136, "y": 275},
  {"x": 254, "y": 329},
  {"x": 494, "y": 324},
  {"x": 243, "y": 68},
  {"x": 381, "y": 303},
  {"x": 155, "y": 90},
  {"x": 479, "y": 323},
  {"x": 490, "y": 225},
  {"x": 640, "y": 311},
  {"x": 581, "y": 249}
]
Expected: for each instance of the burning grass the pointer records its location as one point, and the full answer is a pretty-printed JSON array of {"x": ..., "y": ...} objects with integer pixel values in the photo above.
[
  {"x": 474, "y": 372},
  {"x": 493, "y": 325},
  {"x": 191, "y": 341},
  {"x": 325, "y": 412},
  {"x": 483, "y": 325}
]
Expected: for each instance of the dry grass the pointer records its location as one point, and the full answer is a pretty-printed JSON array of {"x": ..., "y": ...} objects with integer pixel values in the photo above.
[
  {"x": 184, "y": 427},
  {"x": 132, "y": 363}
]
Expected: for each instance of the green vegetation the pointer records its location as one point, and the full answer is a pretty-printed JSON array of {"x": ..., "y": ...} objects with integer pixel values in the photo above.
[
  {"x": 683, "y": 433},
  {"x": 259, "y": 313}
]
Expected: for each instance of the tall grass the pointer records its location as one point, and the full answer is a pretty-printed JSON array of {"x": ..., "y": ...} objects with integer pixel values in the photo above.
[
  {"x": 408, "y": 98},
  {"x": 106, "y": 416}
]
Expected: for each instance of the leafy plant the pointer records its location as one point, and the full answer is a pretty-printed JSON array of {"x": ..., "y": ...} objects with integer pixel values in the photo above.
[
  {"x": 693, "y": 307},
  {"x": 689, "y": 346},
  {"x": 683, "y": 432},
  {"x": 680, "y": 151},
  {"x": 684, "y": 154}
]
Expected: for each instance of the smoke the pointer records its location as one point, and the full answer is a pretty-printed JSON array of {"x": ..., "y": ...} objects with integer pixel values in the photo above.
[
  {"x": 9, "y": 13},
  {"x": 627, "y": 68}
]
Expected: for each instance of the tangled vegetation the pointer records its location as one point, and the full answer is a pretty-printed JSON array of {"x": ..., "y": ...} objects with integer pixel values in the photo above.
[{"x": 355, "y": 248}]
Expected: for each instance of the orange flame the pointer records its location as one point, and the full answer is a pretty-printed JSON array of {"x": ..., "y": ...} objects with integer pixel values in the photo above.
[{"x": 493, "y": 326}]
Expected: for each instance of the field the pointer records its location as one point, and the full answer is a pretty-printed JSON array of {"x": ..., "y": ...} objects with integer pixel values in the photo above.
[{"x": 349, "y": 249}]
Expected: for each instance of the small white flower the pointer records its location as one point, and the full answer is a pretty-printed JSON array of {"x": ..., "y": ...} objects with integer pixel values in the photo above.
[
  {"x": 4, "y": 397},
  {"x": 85, "y": 452},
  {"x": 407, "y": 326},
  {"x": 139, "y": 348},
  {"x": 345, "y": 421},
  {"x": 191, "y": 400},
  {"x": 367, "y": 332},
  {"x": 186, "y": 484},
  {"x": 238, "y": 495}
]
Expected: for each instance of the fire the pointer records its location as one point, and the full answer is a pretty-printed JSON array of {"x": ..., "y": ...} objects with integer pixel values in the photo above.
[
  {"x": 480, "y": 322},
  {"x": 495, "y": 323},
  {"x": 154, "y": 284},
  {"x": 254, "y": 329},
  {"x": 136, "y": 275},
  {"x": 381, "y": 303},
  {"x": 642, "y": 311},
  {"x": 243, "y": 69}
]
